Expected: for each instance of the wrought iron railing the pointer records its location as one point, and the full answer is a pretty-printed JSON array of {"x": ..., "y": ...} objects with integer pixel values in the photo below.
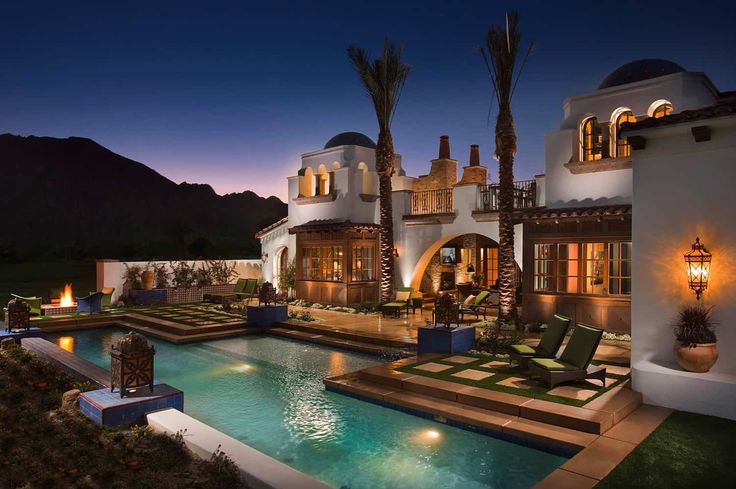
[
  {"x": 525, "y": 195},
  {"x": 431, "y": 202}
]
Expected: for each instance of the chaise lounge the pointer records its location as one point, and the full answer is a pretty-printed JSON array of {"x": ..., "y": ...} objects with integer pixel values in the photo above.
[
  {"x": 400, "y": 303},
  {"x": 476, "y": 306},
  {"x": 220, "y": 297},
  {"x": 548, "y": 345},
  {"x": 250, "y": 289},
  {"x": 574, "y": 363}
]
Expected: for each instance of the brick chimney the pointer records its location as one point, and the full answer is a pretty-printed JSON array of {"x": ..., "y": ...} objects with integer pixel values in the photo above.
[
  {"x": 444, "y": 148},
  {"x": 474, "y": 173},
  {"x": 442, "y": 173}
]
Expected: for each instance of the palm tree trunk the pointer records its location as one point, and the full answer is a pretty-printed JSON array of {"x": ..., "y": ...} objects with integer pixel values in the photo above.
[
  {"x": 385, "y": 168},
  {"x": 505, "y": 150}
]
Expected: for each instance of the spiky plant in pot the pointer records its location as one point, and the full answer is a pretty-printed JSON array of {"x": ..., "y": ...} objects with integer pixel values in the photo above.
[{"x": 695, "y": 348}]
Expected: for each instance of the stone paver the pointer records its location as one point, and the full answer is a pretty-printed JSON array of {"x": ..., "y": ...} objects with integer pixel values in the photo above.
[
  {"x": 495, "y": 364},
  {"x": 572, "y": 392},
  {"x": 433, "y": 367},
  {"x": 562, "y": 479},
  {"x": 639, "y": 424},
  {"x": 600, "y": 458},
  {"x": 460, "y": 359},
  {"x": 616, "y": 369},
  {"x": 472, "y": 374},
  {"x": 521, "y": 383}
]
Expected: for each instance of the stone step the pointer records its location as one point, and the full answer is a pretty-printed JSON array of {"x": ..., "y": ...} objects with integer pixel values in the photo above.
[
  {"x": 176, "y": 338},
  {"x": 349, "y": 335},
  {"x": 336, "y": 342}
]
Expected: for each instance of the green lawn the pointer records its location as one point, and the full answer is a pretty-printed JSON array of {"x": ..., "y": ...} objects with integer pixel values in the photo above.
[{"x": 686, "y": 451}]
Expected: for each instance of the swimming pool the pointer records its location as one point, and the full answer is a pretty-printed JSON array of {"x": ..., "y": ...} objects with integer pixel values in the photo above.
[{"x": 267, "y": 392}]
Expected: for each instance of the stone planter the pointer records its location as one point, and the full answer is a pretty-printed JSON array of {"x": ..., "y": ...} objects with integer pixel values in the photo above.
[
  {"x": 181, "y": 295},
  {"x": 443, "y": 340},
  {"x": 148, "y": 297},
  {"x": 267, "y": 316},
  {"x": 699, "y": 358}
]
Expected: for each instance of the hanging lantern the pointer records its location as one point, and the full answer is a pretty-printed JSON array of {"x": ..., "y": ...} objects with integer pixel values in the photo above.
[{"x": 698, "y": 268}]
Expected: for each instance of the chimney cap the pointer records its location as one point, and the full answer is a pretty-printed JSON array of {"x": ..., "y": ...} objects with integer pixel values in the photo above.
[
  {"x": 444, "y": 147},
  {"x": 474, "y": 155}
]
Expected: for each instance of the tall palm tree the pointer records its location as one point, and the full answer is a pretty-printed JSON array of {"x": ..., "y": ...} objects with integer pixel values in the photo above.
[
  {"x": 500, "y": 54},
  {"x": 383, "y": 79}
]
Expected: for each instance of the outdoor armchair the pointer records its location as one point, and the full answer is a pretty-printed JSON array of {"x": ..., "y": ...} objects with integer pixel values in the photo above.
[
  {"x": 574, "y": 363},
  {"x": 106, "y": 296},
  {"x": 547, "y": 347},
  {"x": 33, "y": 302},
  {"x": 401, "y": 302},
  {"x": 250, "y": 289},
  {"x": 91, "y": 303},
  {"x": 476, "y": 307}
]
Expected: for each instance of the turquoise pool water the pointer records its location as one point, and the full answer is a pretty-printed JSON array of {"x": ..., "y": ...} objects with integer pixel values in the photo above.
[{"x": 268, "y": 393}]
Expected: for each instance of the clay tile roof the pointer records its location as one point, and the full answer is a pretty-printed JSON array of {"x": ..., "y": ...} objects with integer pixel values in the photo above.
[
  {"x": 725, "y": 107},
  {"x": 332, "y": 224},
  {"x": 574, "y": 212},
  {"x": 273, "y": 226}
]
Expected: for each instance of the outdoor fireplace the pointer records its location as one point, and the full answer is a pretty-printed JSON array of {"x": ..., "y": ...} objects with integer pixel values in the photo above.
[
  {"x": 132, "y": 364},
  {"x": 447, "y": 281},
  {"x": 65, "y": 304}
]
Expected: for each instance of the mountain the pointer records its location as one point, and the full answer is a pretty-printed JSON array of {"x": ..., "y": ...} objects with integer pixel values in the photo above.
[{"x": 75, "y": 198}]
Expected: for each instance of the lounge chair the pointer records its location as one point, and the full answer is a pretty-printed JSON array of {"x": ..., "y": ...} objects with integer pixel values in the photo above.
[
  {"x": 250, "y": 289},
  {"x": 400, "y": 303},
  {"x": 106, "y": 296},
  {"x": 574, "y": 363},
  {"x": 476, "y": 306},
  {"x": 91, "y": 303},
  {"x": 33, "y": 302},
  {"x": 220, "y": 296},
  {"x": 548, "y": 345}
]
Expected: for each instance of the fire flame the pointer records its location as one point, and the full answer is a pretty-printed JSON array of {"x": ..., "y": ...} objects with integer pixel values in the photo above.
[{"x": 67, "y": 300}]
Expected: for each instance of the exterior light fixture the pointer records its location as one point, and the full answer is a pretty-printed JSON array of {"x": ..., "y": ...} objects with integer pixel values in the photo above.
[
  {"x": 698, "y": 268},
  {"x": 396, "y": 252},
  {"x": 264, "y": 257}
]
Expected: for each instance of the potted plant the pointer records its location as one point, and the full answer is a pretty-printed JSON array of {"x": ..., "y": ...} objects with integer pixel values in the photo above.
[
  {"x": 287, "y": 278},
  {"x": 695, "y": 348}
]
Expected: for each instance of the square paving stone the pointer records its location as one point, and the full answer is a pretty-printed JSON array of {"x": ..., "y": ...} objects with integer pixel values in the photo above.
[
  {"x": 472, "y": 374},
  {"x": 572, "y": 392},
  {"x": 433, "y": 367},
  {"x": 460, "y": 359},
  {"x": 522, "y": 383},
  {"x": 616, "y": 369},
  {"x": 495, "y": 363}
]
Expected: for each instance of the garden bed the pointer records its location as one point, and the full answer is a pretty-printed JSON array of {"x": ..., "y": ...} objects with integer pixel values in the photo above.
[{"x": 43, "y": 446}]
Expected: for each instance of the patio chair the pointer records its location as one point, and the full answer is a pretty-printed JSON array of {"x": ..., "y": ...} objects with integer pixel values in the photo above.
[
  {"x": 33, "y": 302},
  {"x": 401, "y": 302},
  {"x": 220, "y": 296},
  {"x": 475, "y": 307},
  {"x": 106, "y": 296},
  {"x": 574, "y": 363},
  {"x": 91, "y": 303},
  {"x": 547, "y": 347},
  {"x": 250, "y": 289}
]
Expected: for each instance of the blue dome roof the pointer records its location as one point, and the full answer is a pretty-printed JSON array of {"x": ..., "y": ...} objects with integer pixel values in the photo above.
[
  {"x": 642, "y": 69},
  {"x": 351, "y": 139}
]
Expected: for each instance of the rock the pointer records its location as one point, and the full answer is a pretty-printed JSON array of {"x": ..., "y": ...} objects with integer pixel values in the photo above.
[
  {"x": 7, "y": 343},
  {"x": 70, "y": 400}
]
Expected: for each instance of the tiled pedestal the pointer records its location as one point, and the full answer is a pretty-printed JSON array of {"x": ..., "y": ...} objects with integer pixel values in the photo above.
[
  {"x": 443, "y": 340},
  {"x": 267, "y": 316},
  {"x": 107, "y": 408},
  {"x": 19, "y": 334}
]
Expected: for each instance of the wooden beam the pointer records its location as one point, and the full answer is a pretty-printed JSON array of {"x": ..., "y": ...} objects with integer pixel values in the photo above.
[{"x": 701, "y": 133}]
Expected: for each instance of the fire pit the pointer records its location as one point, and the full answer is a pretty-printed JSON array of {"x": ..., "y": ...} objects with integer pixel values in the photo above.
[{"x": 64, "y": 305}]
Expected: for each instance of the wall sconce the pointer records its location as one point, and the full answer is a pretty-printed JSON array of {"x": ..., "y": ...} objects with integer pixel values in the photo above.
[
  {"x": 698, "y": 268},
  {"x": 396, "y": 252},
  {"x": 471, "y": 268},
  {"x": 264, "y": 257}
]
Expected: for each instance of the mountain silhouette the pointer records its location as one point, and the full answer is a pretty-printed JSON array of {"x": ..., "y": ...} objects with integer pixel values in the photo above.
[{"x": 73, "y": 198}]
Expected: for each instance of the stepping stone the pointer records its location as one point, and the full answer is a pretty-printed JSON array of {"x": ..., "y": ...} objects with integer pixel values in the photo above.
[
  {"x": 494, "y": 364},
  {"x": 522, "y": 383},
  {"x": 460, "y": 359},
  {"x": 472, "y": 374},
  {"x": 433, "y": 367},
  {"x": 616, "y": 369},
  {"x": 572, "y": 392}
]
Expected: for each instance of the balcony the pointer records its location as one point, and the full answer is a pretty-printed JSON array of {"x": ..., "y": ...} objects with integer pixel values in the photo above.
[
  {"x": 525, "y": 197},
  {"x": 431, "y": 207}
]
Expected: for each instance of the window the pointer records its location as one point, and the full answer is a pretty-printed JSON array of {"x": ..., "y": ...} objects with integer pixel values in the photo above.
[
  {"x": 619, "y": 268},
  {"x": 567, "y": 267},
  {"x": 322, "y": 263},
  {"x": 623, "y": 148},
  {"x": 544, "y": 262},
  {"x": 362, "y": 269},
  {"x": 594, "y": 256},
  {"x": 489, "y": 265},
  {"x": 662, "y": 110},
  {"x": 590, "y": 140}
]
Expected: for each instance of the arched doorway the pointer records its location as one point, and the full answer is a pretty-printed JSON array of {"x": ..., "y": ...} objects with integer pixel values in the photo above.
[{"x": 281, "y": 262}]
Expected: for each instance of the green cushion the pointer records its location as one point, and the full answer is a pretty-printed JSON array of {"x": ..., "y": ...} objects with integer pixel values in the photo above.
[
  {"x": 552, "y": 337},
  {"x": 553, "y": 364},
  {"x": 250, "y": 286},
  {"x": 523, "y": 349},
  {"x": 481, "y": 297},
  {"x": 395, "y": 304},
  {"x": 582, "y": 345},
  {"x": 240, "y": 285}
]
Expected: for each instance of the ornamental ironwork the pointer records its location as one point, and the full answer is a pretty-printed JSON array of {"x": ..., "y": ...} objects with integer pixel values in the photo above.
[
  {"x": 446, "y": 312},
  {"x": 18, "y": 314},
  {"x": 132, "y": 364},
  {"x": 698, "y": 267},
  {"x": 266, "y": 294}
]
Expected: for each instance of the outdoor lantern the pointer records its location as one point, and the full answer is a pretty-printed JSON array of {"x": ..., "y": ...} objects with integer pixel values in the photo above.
[
  {"x": 471, "y": 268},
  {"x": 264, "y": 257},
  {"x": 18, "y": 314},
  {"x": 396, "y": 252},
  {"x": 266, "y": 294},
  {"x": 698, "y": 268},
  {"x": 132, "y": 363}
]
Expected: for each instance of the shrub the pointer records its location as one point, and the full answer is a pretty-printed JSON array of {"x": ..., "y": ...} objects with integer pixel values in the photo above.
[
  {"x": 160, "y": 273},
  {"x": 495, "y": 337},
  {"x": 287, "y": 277},
  {"x": 203, "y": 275},
  {"x": 182, "y": 274},
  {"x": 694, "y": 325},
  {"x": 132, "y": 277},
  {"x": 221, "y": 272}
]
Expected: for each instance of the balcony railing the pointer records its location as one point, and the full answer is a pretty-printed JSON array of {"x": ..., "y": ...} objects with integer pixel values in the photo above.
[
  {"x": 431, "y": 202},
  {"x": 525, "y": 196}
]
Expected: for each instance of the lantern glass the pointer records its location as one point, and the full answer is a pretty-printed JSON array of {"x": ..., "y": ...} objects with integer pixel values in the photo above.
[{"x": 698, "y": 262}]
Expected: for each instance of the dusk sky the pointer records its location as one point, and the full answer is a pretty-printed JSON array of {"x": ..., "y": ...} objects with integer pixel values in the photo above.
[{"x": 231, "y": 93}]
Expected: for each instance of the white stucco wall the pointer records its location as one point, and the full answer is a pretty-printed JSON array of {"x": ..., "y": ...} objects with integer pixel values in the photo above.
[{"x": 683, "y": 189}]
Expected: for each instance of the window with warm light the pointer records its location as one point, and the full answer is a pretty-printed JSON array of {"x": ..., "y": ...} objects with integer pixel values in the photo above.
[
  {"x": 590, "y": 140},
  {"x": 362, "y": 264},
  {"x": 567, "y": 267},
  {"x": 619, "y": 268},
  {"x": 594, "y": 255},
  {"x": 623, "y": 148},
  {"x": 322, "y": 263},
  {"x": 662, "y": 110},
  {"x": 544, "y": 263}
]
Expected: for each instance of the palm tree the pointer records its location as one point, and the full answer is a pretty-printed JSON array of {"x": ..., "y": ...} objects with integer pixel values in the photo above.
[
  {"x": 500, "y": 54},
  {"x": 383, "y": 79}
]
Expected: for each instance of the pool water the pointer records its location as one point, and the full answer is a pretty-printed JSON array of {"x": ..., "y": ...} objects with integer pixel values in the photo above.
[{"x": 268, "y": 393}]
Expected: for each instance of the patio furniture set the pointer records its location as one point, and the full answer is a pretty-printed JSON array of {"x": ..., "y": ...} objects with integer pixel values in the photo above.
[
  {"x": 91, "y": 303},
  {"x": 245, "y": 288},
  {"x": 473, "y": 305}
]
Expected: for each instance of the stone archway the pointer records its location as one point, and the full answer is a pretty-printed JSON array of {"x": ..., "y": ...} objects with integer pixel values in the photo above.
[{"x": 280, "y": 262}]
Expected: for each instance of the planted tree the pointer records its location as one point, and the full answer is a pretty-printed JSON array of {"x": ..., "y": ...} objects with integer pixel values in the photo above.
[
  {"x": 500, "y": 54},
  {"x": 383, "y": 79}
]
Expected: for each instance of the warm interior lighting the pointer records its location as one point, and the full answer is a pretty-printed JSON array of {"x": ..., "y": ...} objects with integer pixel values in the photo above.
[
  {"x": 66, "y": 299},
  {"x": 698, "y": 267},
  {"x": 396, "y": 252},
  {"x": 66, "y": 343}
]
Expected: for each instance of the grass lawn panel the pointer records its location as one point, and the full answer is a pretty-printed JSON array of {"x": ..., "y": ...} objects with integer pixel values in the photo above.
[
  {"x": 687, "y": 450},
  {"x": 500, "y": 374}
]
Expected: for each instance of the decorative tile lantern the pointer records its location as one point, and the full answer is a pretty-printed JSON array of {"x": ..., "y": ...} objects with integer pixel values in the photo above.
[
  {"x": 698, "y": 267},
  {"x": 446, "y": 312},
  {"x": 267, "y": 294},
  {"x": 18, "y": 314},
  {"x": 132, "y": 363}
]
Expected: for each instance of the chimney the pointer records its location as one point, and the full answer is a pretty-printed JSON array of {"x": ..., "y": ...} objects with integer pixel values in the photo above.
[
  {"x": 444, "y": 148},
  {"x": 474, "y": 155}
]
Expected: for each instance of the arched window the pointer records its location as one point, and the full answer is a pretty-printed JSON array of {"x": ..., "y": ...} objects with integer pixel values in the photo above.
[
  {"x": 323, "y": 180},
  {"x": 306, "y": 182},
  {"x": 366, "y": 179},
  {"x": 590, "y": 140},
  {"x": 662, "y": 110},
  {"x": 623, "y": 149},
  {"x": 335, "y": 165}
]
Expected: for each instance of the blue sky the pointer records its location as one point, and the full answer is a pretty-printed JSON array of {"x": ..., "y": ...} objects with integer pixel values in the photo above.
[{"x": 231, "y": 93}]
